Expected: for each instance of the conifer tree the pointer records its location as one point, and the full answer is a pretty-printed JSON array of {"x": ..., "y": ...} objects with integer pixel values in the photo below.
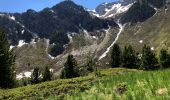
[
  {"x": 91, "y": 64},
  {"x": 129, "y": 57},
  {"x": 47, "y": 74},
  {"x": 149, "y": 60},
  {"x": 116, "y": 56},
  {"x": 69, "y": 70},
  {"x": 7, "y": 60},
  {"x": 35, "y": 77},
  {"x": 164, "y": 58}
]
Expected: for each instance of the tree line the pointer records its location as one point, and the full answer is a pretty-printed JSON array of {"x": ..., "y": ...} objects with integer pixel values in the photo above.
[
  {"x": 147, "y": 60},
  {"x": 127, "y": 58},
  {"x": 7, "y": 67}
]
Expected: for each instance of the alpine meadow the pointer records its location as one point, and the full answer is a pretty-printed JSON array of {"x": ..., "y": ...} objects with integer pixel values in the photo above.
[{"x": 75, "y": 50}]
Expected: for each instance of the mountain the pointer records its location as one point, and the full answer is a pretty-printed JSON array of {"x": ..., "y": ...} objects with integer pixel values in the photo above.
[
  {"x": 89, "y": 37},
  {"x": 51, "y": 23},
  {"x": 47, "y": 36},
  {"x": 144, "y": 22},
  {"x": 112, "y": 9},
  {"x": 147, "y": 23},
  {"x": 138, "y": 13},
  {"x": 142, "y": 10}
]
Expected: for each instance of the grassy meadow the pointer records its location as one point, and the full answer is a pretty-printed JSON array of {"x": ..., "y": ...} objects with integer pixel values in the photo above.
[{"x": 107, "y": 84}]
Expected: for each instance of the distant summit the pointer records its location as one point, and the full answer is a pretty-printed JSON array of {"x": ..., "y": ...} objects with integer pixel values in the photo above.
[{"x": 112, "y": 9}]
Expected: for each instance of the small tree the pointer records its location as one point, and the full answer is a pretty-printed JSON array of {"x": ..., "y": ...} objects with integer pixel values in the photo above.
[
  {"x": 164, "y": 58},
  {"x": 69, "y": 70},
  {"x": 47, "y": 74},
  {"x": 91, "y": 64},
  {"x": 129, "y": 57},
  {"x": 116, "y": 56},
  {"x": 35, "y": 77},
  {"x": 24, "y": 81},
  {"x": 149, "y": 60},
  {"x": 7, "y": 60}
]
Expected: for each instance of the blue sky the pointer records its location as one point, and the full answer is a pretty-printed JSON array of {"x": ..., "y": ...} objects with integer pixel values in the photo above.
[{"x": 23, "y": 5}]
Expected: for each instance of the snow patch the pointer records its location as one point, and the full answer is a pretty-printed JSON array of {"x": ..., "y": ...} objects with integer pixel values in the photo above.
[
  {"x": 111, "y": 15},
  {"x": 94, "y": 10},
  {"x": 90, "y": 10},
  {"x": 118, "y": 34},
  {"x": 33, "y": 42},
  {"x": 11, "y": 47},
  {"x": 86, "y": 33},
  {"x": 51, "y": 70},
  {"x": 2, "y": 15},
  {"x": 24, "y": 74},
  {"x": 152, "y": 48},
  {"x": 116, "y": 9},
  {"x": 141, "y": 41},
  {"x": 166, "y": 10},
  {"x": 70, "y": 37},
  {"x": 106, "y": 9},
  {"x": 94, "y": 37},
  {"x": 22, "y": 32},
  {"x": 51, "y": 57},
  {"x": 12, "y": 18},
  {"x": 47, "y": 46},
  {"x": 52, "y": 11},
  {"x": 95, "y": 14},
  {"x": 21, "y": 43}
]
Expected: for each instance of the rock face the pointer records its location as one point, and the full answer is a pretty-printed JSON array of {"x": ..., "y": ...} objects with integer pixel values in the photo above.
[
  {"x": 141, "y": 10},
  {"x": 51, "y": 23},
  {"x": 138, "y": 13},
  {"x": 107, "y": 10}
]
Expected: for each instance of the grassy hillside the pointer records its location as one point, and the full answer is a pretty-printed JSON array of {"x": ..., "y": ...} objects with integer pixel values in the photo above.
[
  {"x": 155, "y": 31},
  {"x": 32, "y": 55},
  {"x": 109, "y": 84}
]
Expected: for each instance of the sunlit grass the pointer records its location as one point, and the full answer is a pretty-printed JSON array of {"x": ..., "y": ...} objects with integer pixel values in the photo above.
[
  {"x": 111, "y": 84},
  {"x": 134, "y": 85}
]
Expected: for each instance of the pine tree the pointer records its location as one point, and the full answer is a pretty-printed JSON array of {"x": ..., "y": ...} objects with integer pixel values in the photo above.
[
  {"x": 7, "y": 60},
  {"x": 35, "y": 77},
  {"x": 116, "y": 56},
  {"x": 129, "y": 57},
  {"x": 91, "y": 64},
  {"x": 149, "y": 60},
  {"x": 47, "y": 74},
  {"x": 69, "y": 70},
  {"x": 164, "y": 58}
]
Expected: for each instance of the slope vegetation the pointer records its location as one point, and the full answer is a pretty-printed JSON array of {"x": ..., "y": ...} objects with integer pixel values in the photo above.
[
  {"x": 108, "y": 84},
  {"x": 154, "y": 31}
]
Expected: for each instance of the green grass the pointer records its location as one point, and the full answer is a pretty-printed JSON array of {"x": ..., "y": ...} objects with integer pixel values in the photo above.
[
  {"x": 111, "y": 84},
  {"x": 135, "y": 85}
]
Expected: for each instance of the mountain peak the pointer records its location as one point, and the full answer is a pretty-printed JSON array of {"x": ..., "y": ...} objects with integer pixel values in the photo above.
[{"x": 66, "y": 3}]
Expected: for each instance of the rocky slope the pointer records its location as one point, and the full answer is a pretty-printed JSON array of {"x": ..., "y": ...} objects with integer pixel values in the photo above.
[
  {"x": 113, "y": 9},
  {"x": 48, "y": 36},
  {"x": 50, "y": 23},
  {"x": 147, "y": 23}
]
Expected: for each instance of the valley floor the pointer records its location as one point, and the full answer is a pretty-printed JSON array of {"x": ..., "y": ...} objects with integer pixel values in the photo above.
[{"x": 108, "y": 84}]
